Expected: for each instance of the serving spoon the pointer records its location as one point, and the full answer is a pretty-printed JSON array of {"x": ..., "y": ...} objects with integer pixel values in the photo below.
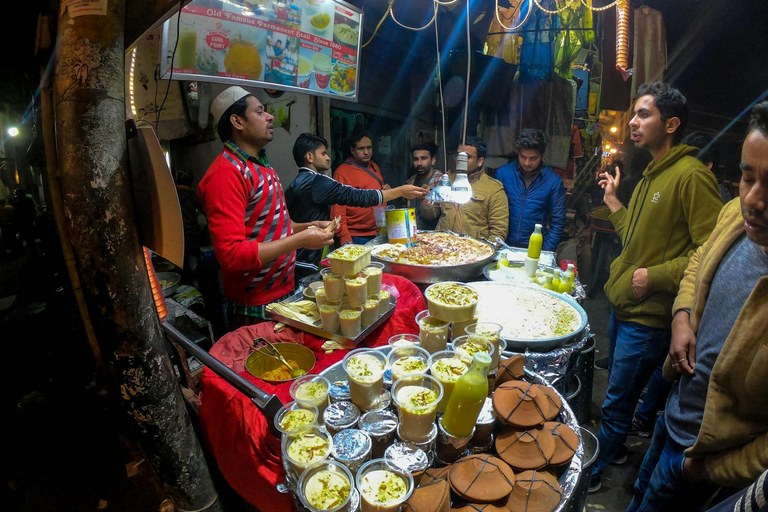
[{"x": 275, "y": 354}]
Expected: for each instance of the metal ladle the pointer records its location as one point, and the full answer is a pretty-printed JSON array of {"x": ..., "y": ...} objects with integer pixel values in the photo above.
[{"x": 275, "y": 354}]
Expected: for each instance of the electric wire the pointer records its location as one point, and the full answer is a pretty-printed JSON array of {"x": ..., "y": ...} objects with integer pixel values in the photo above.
[
  {"x": 170, "y": 77},
  {"x": 440, "y": 89},
  {"x": 466, "y": 92},
  {"x": 392, "y": 13},
  {"x": 378, "y": 25},
  {"x": 556, "y": 11},
  {"x": 527, "y": 15}
]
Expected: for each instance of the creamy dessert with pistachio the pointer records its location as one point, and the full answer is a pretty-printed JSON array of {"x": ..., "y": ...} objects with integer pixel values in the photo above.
[
  {"x": 374, "y": 279},
  {"x": 349, "y": 259},
  {"x": 334, "y": 286},
  {"x": 307, "y": 448},
  {"x": 417, "y": 408},
  {"x": 408, "y": 366},
  {"x": 451, "y": 302},
  {"x": 366, "y": 380},
  {"x": 492, "y": 337},
  {"x": 315, "y": 392},
  {"x": 447, "y": 371},
  {"x": 370, "y": 312},
  {"x": 348, "y": 253},
  {"x": 326, "y": 490},
  {"x": 357, "y": 290},
  {"x": 320, "y": 297},
  {"x": 433, "y": 334},
  {"x": 350, "y": 322},
  {"x": 467, "y": 350},
  {"x": 382, "y": 491},
  {"x": 297, "y": 418},
  {"x": 383, "y": 302},
  {"x": 329, "y": 317}
]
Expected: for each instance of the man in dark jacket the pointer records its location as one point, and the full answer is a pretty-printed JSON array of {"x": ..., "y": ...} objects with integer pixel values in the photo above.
[
  {"x": 535, "y": 193},
  {"x": 310, "y": 196}
]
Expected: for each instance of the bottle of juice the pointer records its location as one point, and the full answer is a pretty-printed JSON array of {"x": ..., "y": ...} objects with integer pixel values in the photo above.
[
  {"x": 567, "y": 281},
  {"x": 572, "y": 270},
  {"x": 468, "y": 397},
  {"x": 556, "y": 280},
  {"x": 548, "y": 284},
  {"x": 535, "y": 243}
]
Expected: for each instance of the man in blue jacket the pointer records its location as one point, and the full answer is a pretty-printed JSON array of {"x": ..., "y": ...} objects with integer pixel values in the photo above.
[{"x": 535, "y": 192}]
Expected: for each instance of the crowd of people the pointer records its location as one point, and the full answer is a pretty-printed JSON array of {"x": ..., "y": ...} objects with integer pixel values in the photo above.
[{"x": 688, "y": 290}]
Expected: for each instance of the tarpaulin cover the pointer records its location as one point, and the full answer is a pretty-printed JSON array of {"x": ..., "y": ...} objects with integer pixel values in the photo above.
[{"x": 235, "y": 431}]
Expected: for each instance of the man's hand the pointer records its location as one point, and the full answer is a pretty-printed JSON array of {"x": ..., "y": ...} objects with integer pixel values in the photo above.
[
  {"x": 693, "y": 469},
  {"x": 610, "y": 184},
  {"x": 411, "y": 191},
  {"x": 682, "y": 347},
  {"x": 322, "y": 224},
  {"x": 640, "y": 284},
  {"x": 315, "y": 238}
]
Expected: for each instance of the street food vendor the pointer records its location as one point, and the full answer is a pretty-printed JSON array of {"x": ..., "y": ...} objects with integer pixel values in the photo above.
[
  {"x": 253, "y": 237},
  {"x": 312, "y": 194},
  {"x": 487, "y": 212}
]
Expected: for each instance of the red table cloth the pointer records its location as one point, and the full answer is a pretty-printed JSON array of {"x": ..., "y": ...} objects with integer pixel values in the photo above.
[{"x": 236, "y": 432}]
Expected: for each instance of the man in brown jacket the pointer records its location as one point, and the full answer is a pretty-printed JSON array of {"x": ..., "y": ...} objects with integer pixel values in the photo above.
[
  {"x": 714, "y": 430},
  {"x": 487, "y": 212}
]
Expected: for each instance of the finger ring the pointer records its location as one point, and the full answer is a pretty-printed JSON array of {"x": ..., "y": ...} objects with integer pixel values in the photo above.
[
  {"x": 674, "y": 365},
  {"x": 681, "y": 360}
]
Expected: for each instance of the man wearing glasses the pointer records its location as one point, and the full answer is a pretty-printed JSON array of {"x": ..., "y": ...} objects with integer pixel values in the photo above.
[
  {"x": 253, "y": 237},
  {"x": 486, "y": 215}
]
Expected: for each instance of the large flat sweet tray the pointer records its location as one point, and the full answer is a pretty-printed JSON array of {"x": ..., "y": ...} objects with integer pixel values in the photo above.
[{"x": 317, "y": 328}]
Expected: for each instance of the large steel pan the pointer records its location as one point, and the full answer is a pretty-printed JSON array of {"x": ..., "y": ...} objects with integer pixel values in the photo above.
[{"x": 429, "y": 274}]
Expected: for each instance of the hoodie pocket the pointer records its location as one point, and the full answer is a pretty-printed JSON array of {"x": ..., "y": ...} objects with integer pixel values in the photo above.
[{"x": 619, "y": 286}]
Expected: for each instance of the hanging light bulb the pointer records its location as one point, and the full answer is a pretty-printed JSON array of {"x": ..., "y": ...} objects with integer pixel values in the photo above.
[{"x": 461, "y": 190}]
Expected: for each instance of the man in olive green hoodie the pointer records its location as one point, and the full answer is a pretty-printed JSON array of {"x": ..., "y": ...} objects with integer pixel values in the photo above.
[{"x": 672, "y": 212}]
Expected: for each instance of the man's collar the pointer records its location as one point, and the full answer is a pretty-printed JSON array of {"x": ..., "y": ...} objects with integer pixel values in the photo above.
[
  {"x": 535, "y": 174},
  {"x": 244, "y": 156},
  {"x": 303, "y": 168}
]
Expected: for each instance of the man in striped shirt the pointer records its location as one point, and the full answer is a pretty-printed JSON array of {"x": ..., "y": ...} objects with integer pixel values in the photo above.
[{"x": 253, "y": 237}]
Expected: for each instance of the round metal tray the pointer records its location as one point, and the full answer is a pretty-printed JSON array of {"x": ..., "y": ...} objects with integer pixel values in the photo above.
[
  {"x": 541, "y": 345},
  {"x": 430, "y": 274},
  {"x": 568, "y": 479}
]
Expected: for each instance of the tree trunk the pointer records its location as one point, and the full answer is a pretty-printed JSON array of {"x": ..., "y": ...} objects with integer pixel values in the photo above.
[{"x": 90, "y": 112}]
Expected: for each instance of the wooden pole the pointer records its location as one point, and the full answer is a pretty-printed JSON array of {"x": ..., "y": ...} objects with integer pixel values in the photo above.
[{"x": 89, "y": 105}]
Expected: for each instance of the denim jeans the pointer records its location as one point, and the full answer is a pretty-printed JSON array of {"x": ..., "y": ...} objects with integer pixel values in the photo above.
[
  {"x": 655, "y": 398},
  {"x": 636, "y": 351},
  {"x": 362, "y": 240},
  {"x": 660, "y": 483}
]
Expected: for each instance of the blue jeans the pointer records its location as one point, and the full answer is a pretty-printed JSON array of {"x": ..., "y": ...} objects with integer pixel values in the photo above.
[
  {"x": 362, "y": 240},
  {"x": 655, "y": 398},
  {"x": 660, "y": 483},
  {"x": 636, "y": 351}
]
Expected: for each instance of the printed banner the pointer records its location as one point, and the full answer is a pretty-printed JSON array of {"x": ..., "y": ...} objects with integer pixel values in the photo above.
[{"x": 309, "y": 46}]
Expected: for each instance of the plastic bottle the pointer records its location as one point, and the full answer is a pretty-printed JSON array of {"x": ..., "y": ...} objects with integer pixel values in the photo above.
[
  {"x": 467, "y": 398},
  {"x": 572, "y": 270},
  {"x": 535, "y": 243},
  {"x": 567, "y": 281},
  {"x": 556, "y": 280},
  {"x": 549, "y": 285}
]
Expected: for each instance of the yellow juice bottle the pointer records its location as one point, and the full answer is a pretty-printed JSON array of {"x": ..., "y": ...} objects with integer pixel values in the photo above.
[
  {"x": 556, "y": 281},
  {"x": 535, "y": 243},
  {"x": 467, "y": 398}
]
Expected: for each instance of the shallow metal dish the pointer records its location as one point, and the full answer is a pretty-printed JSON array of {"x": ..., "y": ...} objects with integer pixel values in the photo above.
[
  {"x": 259, "y": 362},
  {"x": 430, "y": 274},
  {"x": 173, "y": 280},
  {"x": 570, "y": 476},
  {"x": 541, "y": 345}
]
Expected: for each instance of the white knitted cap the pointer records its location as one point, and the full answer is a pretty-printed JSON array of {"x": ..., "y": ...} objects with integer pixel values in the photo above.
[{"x": 225, "y": 100}]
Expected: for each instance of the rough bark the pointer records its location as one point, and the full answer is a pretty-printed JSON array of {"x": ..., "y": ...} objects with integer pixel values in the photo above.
[{"x": 95, "y": 184}]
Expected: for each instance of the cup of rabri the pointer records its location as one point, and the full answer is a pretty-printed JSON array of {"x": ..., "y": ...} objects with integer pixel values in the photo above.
[
  {"x": 488, "y": 331},
  {"x": 350, "y": 320},
  {"x": 383, "y": 486},
  {"x": 407, "y": 362},
  {"x": 374, "y": 272},
  {"x": 446, "y": 366},
  {"x": 357, "y": 289},
  {"x": 329, "y": 317},
  {"x": 384, "y": 296},
  {"x": 365, "y": 372},
  {"x": 466, "y": 348},
  {"x": 307, "y": 447},
  {"x": 312, "y": 389},
  {"x": 370, "y": 311},
  {"x": 417, "y": 398},
  {"x": 320, "y": 296},
  {"x": 432, "y": 332},
  {"x": 333, "y": 284},
  {"x": 326, "y": 486},
  {"x": 295, "y": 417},
  {"x": 404, "y": 340}
]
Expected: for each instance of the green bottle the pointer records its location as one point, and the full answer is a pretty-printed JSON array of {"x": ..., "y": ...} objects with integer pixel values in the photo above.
[{"x": 467, "y": 398}]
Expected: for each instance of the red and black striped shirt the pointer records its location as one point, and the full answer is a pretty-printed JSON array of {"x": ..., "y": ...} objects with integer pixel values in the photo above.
[{"x": 245, "y": 205}]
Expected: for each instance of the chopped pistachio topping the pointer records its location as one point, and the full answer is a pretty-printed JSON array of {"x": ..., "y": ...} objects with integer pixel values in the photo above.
[
  {"x": 348, "y": 252},
  {"x": 296, "y": 418},
  {"x": 371, "y": 303},
  {"x": 357, "y": 281},
  {"x": 349, "y": 314},
  {"x": 452, "y": 294},
  {"x": 411, "y": 364},
  {"x": 472, "y": 348},
  {"x": 326, "y": 490},
  {"x": 312, "y": 390},
  {"x": 328, "y": 308},
  {"x": 372, "y": 271},
  {"x": 450, "y": 368},
  {"x": 383, "y": 486},
  {"x": 364, "y": 366},
  {"x": 307, "y": 448}
]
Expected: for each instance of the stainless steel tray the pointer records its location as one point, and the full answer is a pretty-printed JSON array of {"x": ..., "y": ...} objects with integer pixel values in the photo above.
[
  {"x": 430, "y": 274},
  {"x": 570, "y": 476},
  {"x": 317, "y": 328}
]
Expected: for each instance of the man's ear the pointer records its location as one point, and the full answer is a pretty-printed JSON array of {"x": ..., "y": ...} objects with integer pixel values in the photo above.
[
  {"x": 236, "y": 122},
  {"x": 434, "y": 161},
  {"x": 309, "y": 157},
  {"x": 673, "y": 123},
  {"x": 480, "y": 161}
]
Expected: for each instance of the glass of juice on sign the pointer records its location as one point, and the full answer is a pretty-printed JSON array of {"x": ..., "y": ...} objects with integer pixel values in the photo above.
[
  {"x": 187, "y": 46},
  {"x": 321, "y": 64},
  {"x": 383, "y": 486},
  {"x": 365, "y": 372}
]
